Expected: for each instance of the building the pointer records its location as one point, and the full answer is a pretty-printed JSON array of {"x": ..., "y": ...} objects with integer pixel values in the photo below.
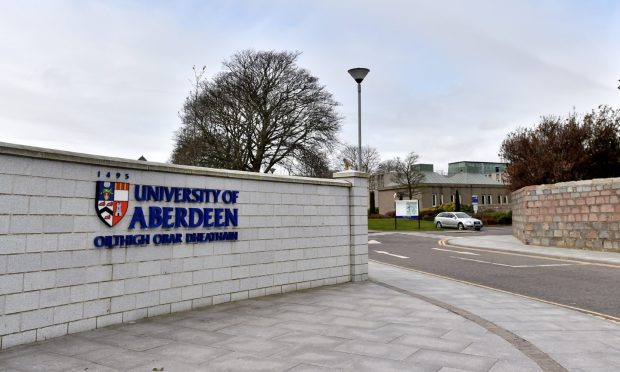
[
  {"x": 496, "y": 171},
  {"x": 438, "y": 189}
]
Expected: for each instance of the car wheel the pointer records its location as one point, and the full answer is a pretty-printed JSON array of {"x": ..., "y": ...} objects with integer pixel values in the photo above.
[
  {"x": 438, "y": 225},
  {"x": 461, "y": 227}
]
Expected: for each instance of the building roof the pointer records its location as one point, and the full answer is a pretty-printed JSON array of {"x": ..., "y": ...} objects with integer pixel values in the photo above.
[
  {"x": 459, "y": 179},
  {"x": 432, "y": 178}
]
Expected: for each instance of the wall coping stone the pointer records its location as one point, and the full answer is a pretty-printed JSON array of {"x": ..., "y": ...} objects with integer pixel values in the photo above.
[
  {"x": 595, "y": 181},
  {"x": 81, "y": 158},
  {"x": 350, "y": 173}
]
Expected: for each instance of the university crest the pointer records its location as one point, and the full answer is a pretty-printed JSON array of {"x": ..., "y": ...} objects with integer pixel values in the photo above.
[{"x": 112, "y": 201}]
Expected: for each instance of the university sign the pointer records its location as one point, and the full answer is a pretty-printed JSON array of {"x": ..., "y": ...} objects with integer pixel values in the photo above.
[{"x": 194, "y": 208}]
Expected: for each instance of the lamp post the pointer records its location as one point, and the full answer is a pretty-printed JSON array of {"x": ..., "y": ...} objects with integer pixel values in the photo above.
[{"x": 359, "y": 74}]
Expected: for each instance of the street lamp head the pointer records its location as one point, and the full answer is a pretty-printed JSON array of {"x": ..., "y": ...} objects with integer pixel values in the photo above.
[{"x": 359, "y": 73}]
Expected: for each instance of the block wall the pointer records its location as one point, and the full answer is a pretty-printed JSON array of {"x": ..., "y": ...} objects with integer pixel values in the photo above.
[
  {"x": 580, "y": 214},
  {"x": 293, "y": 233}
]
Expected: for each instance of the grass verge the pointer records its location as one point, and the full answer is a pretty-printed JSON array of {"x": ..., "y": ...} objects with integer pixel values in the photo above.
[{"x": 403, "y": 224}]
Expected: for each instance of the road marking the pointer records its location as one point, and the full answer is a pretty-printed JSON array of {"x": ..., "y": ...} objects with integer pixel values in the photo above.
[
  {"x": 486, "y": 262},
  {"x": 593, "y": 313},
  {"x": 391, "y": 254},
  {"x": 373, "y": 242},
  {"x": 491, "y": 250},
  {"x": 451, "y": 251},
  {"x": 514, "y": 266}
]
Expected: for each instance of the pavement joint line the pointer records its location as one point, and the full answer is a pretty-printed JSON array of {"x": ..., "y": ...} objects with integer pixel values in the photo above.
[
  {"x": 537, "y": 255},
  {"x": 607, "y": 317},
  {"x": 543, "y": 360}
]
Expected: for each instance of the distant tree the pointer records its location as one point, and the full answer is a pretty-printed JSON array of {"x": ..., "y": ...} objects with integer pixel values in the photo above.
[
  {"x": 564, "y": 149},
  {"x": 388, "y": 166},
  {"x": 309, "y": 163},
  {"x": 370, "y": 162},
  {"x": 370, "y": 158},
  {"x": 373, "y": 205},
  {"x": 261, "y": 111},
  {"x": 407, "y": 174}
]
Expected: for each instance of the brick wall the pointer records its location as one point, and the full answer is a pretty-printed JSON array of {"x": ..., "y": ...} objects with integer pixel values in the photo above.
[
  {"x": 293, "y": 233},
  {"x": 580, "y": 214}
]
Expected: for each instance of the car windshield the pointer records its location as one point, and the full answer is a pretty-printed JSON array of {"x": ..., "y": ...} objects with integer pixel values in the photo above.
[{"x": 462, "y": 215}]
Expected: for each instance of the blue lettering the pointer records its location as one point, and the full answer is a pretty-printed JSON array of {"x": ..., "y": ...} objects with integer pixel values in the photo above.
[
  {"x": 155, "y": 217},
  {"x": 208, "y": 217},
  {"x": 231, "y": 217},
  {"x": 138, "y": 216},
  {"x": 167, "y": 216},
  {"x": 151, "y": 193},
  {"x": 137, "y": 195},
  {"x": 180, "y": 215},
  {"x": 99, "y": 241},
  {"x": 216, "y": 195},
  {"x": 195, "y": 217},
  {"x": 186, "y": 194},
  {"x": 168, "y": 192},
  {"x": 218, "y": 217},
  {"x": 227, "y": 197},
  {"x": 198, "y": 195}
]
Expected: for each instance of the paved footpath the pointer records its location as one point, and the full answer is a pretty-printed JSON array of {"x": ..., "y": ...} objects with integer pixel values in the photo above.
[{"x": 400, "y": 320}]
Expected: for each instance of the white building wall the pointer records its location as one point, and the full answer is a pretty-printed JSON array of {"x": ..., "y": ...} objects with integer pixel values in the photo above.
[{"x": 294, "y": 233}]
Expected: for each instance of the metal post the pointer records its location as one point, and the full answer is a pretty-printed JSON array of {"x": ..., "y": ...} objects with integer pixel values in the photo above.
[
  {"x": 359, "y": 127},
  {"x": 395, "y": 228}
]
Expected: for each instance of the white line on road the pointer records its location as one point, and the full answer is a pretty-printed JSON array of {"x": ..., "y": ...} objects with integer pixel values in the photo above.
[
  {"x": 449, "y": 250},
  {"x": 391, "y": 254},
  {"x": 374, "y": 242},
  {"x": 514, "y": 266}
]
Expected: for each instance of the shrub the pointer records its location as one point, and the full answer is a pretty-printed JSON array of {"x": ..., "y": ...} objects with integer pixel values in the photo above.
[
  {"x": 390, "y": 214},
  {"x": 450, "y": 207},
  {"x": 495, "y": 218},
  {"x": 376, "y": 216},
  {"x": 428, "y": 214}
]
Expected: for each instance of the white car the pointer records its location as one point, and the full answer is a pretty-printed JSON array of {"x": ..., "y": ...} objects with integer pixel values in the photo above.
[{"x": 457, "y": 220}]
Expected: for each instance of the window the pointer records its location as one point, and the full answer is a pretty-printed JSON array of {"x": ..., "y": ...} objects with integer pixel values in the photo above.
[
  {"x": 434, "y": 200},
  {"x": 499, "y": 199},
  {"x": 452, "y": 198},
  {"x": 441, "y": 199},
  {"x": 506, "y": 199},
  {"x": 489, "y": 199},
  {"x": 482, "y": 201}
]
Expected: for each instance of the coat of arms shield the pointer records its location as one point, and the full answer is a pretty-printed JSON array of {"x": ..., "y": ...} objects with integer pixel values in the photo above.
[{"x": 112, "y": 201}]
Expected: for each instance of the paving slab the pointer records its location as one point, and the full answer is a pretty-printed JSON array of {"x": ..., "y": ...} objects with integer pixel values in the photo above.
[
  {"x": 379, "y": 325},
  {"x": 533, "y": 322}
]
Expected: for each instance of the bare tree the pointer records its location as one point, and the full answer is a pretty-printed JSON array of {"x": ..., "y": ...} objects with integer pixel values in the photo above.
[
  {"x": 262, "y": 110},
  {"x": 370, "y": 158},
  {"x": 407, "y": 174},
  {"x": 310, "y": 163},
  {"x": 388, "y": 166}
]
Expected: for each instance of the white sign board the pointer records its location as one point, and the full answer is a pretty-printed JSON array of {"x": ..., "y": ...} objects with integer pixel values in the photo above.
[{"x": 407, "y": 208}]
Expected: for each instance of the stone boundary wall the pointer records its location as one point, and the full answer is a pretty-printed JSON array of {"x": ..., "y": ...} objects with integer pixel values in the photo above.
[
  {"x": 579, "y": 214},
  {"x": 292, "y": 233}
]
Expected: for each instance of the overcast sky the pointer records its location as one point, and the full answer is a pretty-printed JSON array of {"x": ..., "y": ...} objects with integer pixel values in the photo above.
[{"x": 448, "y": 79}]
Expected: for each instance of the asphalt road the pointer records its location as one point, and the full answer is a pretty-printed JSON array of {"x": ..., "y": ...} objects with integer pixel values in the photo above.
[{"x": 585, "y": 285}]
